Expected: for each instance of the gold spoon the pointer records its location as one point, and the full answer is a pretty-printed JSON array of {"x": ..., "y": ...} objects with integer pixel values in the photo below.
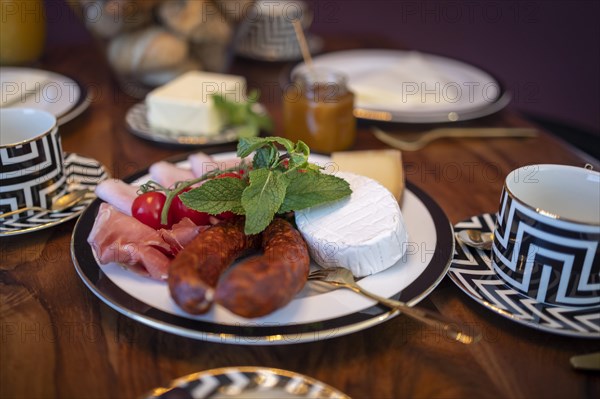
[
  {"x": 476, "y": 238},
  {"x": 59, "y": 204}
]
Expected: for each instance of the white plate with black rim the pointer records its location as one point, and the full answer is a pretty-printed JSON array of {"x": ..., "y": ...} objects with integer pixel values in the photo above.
[
  {"x": 472, "y": 272},
  {"x": 62, "y": 96},
  {"x": 137, "y": 123},
  {"x": 246, "y": 382},
  {"x": 414, "y": 87},
  {"x": 312, "y": 315},
  {"x": 82, "y": 173}
]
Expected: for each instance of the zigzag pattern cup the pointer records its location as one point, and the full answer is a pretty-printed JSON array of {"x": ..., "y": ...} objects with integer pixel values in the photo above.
[
  {"x": 546, "y": 242},
  {"x": 31, "y": 159}
]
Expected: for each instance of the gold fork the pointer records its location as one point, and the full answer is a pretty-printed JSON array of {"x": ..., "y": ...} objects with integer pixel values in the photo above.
[
  {"x": 443, "y": 132},
  {"x": 343, "y": 278}
]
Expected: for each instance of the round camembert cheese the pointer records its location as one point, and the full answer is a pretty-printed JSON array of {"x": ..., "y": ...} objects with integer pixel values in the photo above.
[{"x": 364, "y": 233}]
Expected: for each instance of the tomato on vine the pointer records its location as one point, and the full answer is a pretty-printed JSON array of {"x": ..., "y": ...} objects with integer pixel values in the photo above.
[{"x": 147, "y": 208}]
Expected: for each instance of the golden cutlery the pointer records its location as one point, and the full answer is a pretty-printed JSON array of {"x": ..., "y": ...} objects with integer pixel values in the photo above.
[
  {"x": 343, "y": 278},
  {"x": 60, "y": 204},
  {"x": 590, "y": 361},
  {"x": 451, "y": 132}
]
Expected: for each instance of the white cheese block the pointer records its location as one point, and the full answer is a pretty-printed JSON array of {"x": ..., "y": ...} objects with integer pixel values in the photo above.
[
  {"x": 385, "y": 166},
  {"x": 186, "y": 105},
  {"x": 364, "y": 233}
]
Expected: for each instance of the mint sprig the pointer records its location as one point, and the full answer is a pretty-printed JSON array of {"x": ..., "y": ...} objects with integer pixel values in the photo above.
[
  {"x": 262, "y": 198},
  {"x": 278, "y": 183},
  {"x": 217, "y": 196},
  {"x": 243, "y": 115}
]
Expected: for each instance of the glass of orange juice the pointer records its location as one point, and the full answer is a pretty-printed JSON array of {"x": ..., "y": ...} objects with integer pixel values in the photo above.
[
  {"x": 318, "y": 109},
  {"x": 22, "y": 31}
]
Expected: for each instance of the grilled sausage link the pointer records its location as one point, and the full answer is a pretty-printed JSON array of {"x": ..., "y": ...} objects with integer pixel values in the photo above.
[
  {"x": 195, "y": 270},
  {"x": 262, "y": 284}
]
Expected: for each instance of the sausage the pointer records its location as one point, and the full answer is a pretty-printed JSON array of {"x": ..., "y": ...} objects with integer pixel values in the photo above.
[
  {"x": 262, "y": 284},
  {"x": 195, "y": 270}
]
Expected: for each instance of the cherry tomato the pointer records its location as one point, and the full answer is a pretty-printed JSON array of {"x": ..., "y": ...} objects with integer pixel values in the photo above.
[
  {"x": 179, "y": 211},
  {"x": 229, "y": 174},
  {"x": 147, "y": 208},
  {"x": 228, "y": 214}
]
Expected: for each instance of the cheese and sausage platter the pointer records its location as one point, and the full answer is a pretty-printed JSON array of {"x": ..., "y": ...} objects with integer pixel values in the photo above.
[{"x": 399, "y": 250}]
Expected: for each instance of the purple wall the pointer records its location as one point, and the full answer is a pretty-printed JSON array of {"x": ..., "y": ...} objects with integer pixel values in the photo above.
[{"x": 547, "y": 52}]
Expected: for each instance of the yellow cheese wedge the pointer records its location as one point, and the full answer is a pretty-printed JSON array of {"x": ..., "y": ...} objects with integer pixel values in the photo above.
[{"x": 384, "y": 166}]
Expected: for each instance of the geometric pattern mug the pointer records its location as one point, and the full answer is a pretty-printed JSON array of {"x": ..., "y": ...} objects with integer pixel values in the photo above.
[
  {"x": 546, "y": 240},
  {"x": 31, "y": 159}
]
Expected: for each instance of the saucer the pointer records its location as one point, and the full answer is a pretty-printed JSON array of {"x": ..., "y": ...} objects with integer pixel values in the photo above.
[
  {"x": 471, "y": 270},
  {"x": 81, "y": 173},
  {"x": 246, "y": 382}
]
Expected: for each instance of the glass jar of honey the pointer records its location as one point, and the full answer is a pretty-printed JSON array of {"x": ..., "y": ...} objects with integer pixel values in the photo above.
[{"x": 318, "y": 109}]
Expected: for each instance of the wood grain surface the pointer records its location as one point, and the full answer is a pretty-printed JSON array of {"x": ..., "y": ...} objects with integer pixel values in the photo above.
[{"x": 59, "y": 340}]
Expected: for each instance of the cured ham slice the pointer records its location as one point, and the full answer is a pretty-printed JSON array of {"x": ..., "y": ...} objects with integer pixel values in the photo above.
[
  {"x": 118, "y": 238},
  {"x": 166, "y": 174},
  {"x": 201, "y": 163},
  {"x": 117, "y": 193},
  {"x": 181, "y": 234}
]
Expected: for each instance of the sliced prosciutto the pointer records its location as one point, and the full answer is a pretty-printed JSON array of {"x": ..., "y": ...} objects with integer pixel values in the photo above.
[
  {"x": 118, "y": 238},
  {"x": 181, "y": 234},
  {"x": 117, "y": 193},
  {"x": 167, "y": 174}
]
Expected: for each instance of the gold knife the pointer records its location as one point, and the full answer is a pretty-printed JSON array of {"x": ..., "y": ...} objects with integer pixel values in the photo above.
[
  {"x": 443, "y": 132},
  {"x": 589, "y": 361}
]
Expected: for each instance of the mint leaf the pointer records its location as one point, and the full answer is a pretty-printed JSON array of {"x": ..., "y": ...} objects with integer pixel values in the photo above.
[
  {"x": 248, "y": 130},
  {"x": 262, "y": 198},
  {"x": 302, "y": 148},
  {"x": 307, "y": 189},
  {"x": 216, "y": 196},
  {"x": 265, "y": 157},
  {"x": 248, "y": 145},
  {"x": 248, "y": 117}
]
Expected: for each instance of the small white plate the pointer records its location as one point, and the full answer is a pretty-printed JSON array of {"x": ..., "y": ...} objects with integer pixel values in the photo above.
[
  {"x": 414, "y": 87},
  {"x": 57, "y": 94},
  {"x": 472, "y": 272},
  {"x": 81, "y": 173},
  {"x": 246, "y": 382},
  {"x": 137, "y": 123}
]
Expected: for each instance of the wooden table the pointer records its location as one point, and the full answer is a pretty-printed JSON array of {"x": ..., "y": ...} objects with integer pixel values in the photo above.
[{"x": 58, "y": 340}]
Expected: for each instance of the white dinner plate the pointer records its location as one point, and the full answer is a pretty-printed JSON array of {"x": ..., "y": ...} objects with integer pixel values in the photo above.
[
  {"x": 473, "y": 273},
  {"x": 414, "y": 87},
  {"x": 313, "y": 315},
  {"x": 57, "y": 94},
  {"x": 246, "y": 382}
]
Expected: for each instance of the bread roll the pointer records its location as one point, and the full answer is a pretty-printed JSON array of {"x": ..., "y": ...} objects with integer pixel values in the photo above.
[
  {"x": 148, "y": 50},
  {"x": 107, "y": 19},
  {"x": 197, "y": 20}
]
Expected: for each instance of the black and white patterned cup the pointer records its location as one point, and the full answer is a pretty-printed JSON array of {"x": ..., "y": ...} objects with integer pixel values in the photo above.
[
  {"x": 31, "y": 159},
  {"x": 546, "y": 242},
  {"x": 270, "y": 34}
]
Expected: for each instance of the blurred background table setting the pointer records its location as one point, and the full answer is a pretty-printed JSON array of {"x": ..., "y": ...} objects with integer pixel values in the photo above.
[{"x": 448, "y": 121}]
